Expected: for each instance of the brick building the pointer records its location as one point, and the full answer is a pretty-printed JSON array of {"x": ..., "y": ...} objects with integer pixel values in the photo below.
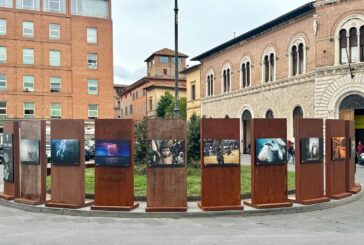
[
  {"x": 141, "y": 98},
  {"x": 193, "y": 78},
  {"x": 56, "y": 59},
  {"x": 293, "y": 66}
]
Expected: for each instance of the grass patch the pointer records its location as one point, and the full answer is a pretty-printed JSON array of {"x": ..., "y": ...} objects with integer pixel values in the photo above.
[{"x": 193, "y": 180}]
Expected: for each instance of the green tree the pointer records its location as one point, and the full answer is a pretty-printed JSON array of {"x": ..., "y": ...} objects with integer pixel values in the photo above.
[
  {"x": 163, "y": 103},
  {"x": 193, "y": 138},
  {"x": 182, "y": 105},
  {"x": 140, "y": 137}
]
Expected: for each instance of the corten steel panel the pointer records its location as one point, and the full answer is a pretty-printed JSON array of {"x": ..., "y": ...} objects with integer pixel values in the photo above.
[
  {"x": 220, "y": 186},
  {"x": 11, "y": 190},
  {"x": 351, "y": 186},
  {"x": 166, "y": 186},
  {"x": 335, "y": 170},
  {"x": 33, "y": 177},
  {"x": 68, "y": 182},
  {"x": 309, "y": 176},
  {"x": 114, "y": 186},
  {"x": 269, "y": 183}
]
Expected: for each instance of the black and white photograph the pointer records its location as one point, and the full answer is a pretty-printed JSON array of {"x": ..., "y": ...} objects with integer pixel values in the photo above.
[
  {"x": 311, "y": 150},
  {"x": 221, "y": 152},
  {"x": 8, "y": 158},
  {"x": 271, "y": 151},
  {"x": 29, "y": 151},
  {"x": 166, "y": 152}
]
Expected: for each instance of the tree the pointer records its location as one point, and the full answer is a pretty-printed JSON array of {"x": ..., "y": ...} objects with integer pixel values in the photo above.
[
  {"x": 193, "y": 136},
  {"x": 182, "y": 105},
  {"x": 140, "y": 136},
  {"x": 163, "y": 103}
]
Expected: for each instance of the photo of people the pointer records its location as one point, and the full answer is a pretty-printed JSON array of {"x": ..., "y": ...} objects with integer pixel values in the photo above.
[
  {"x": 338, "y": 148},
  {"x": 311, "y": 150},
  {"x": 114, "y": 153},
  {"x": 166, "y": 153},
  {"x": 221, "y": 152},
  {"x": 8, "y": 163},
  {"x": 271, "y": 151},
  {"x": 65, "y": 151},
  {"x": 29, "y": 151}
]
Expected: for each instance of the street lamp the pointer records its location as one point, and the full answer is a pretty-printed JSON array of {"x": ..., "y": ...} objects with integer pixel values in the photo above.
[{"x": 176, "y": 108}]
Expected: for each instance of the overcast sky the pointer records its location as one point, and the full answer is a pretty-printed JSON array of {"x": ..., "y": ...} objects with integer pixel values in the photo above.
[{"x": 142, "y": 27}]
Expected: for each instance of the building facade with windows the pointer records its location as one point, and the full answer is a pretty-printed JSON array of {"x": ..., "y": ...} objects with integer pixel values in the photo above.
[
  {"x": 56, "y": 59},
  {"x": 141, "y": 98},
  {"x": 296, "y": 65},
  {"x": 193, "y": 79}
]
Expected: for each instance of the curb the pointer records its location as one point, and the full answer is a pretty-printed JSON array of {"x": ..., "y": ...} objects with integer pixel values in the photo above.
[{"x": 192, "y": 212}]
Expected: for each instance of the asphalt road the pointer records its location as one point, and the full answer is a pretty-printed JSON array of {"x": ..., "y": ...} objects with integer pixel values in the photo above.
[{"x": 341, "y": 225}]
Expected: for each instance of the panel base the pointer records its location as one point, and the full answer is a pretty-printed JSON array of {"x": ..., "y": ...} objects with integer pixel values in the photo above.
[
  {"x": 6, "y": 197},
  {"x": 166, "y": 209},
  {"x": 312, "y": 201},
  {"x": 356, "y": 189},
  {"x": 220, "y": 208},
  {"x": 28, "y": 201},
  {"x": 268, "y": 205},
  {"x": 67, "y": 205},
  {"x": 340, "y": 196},
  {"x": 115, "y": 208}
]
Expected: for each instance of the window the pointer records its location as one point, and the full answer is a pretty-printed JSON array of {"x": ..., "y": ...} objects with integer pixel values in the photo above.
[
  {"x": 29, "y": 110},
  {"x": 92, "y": 86},
  {"x": 297, "y": 113},
  {"x": 269, "y": 66},
  {"x": 2, "y": 26},
  {"x": 93, "y": 111},
  {"x": 28, "y": 56},
  {"x": 193, "y": 92},
  {"x": 55, "y": 6},
  {"x": 3, "y": 82},
  {"x": 6, "y": 3},
  {"x": 28, "y": 83},
  {"x": 269, "y": 114},
  {"x": 245, "y": 72},
  {"x": 353, "y": 42},
  {"x": 94, "y": 8},
  {"x": 28, "y": 29},
  {"x": 55, "y": 84},
  {"x": 91, "y": 35},
  {"x": 54, "y": 58},
  {"x": 3, "y": 55},
  {"x": 126, "y": 110},
  {"x": 92, "y": 61},
  {"x": 362, "y": 44},
  {"x": 28, "y": 4},
  {"x": 165, "y": 71},
  {"x": 210, "y": 85},
  {"x": 131, "y": 109},
  {"x": 179, "y": 60},
  {"x": 163, "y": 59},
  {"x": 226, "y": 78},
  {"x": 3, "y": 109},
  {"x": 297, "y": 59},
  {"x": 150, "y": 103},
  {"x": 56, "y": 110},
  {"x": 343, "y": 46},
  {"x": 54, "y": 31}
]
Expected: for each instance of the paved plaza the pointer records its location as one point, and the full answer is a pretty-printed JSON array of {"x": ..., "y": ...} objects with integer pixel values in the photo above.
[{"x": 341, "y": 225}]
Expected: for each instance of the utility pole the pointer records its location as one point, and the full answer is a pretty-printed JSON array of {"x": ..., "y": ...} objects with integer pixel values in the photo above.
[{"x": 176, "y": 112}]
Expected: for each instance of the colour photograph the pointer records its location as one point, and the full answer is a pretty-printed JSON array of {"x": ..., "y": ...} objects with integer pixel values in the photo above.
[
  {"x": 8, "y": 163},
  {"x": 166, "y": 153},
  {"x": 113, "y": 153},
  {"x": 338, "y": 148},
  {"x": 311, "y": 150},
  {"x": 218, "y": 152},
  {"x": 29, "y": 151},
  {"x": 65, "y": 152},
  {"x": 271, "y": 151}
]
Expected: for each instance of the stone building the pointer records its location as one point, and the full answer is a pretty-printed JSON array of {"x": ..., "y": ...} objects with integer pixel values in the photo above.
[
  {"x": 118, "y": 89},
  {"x": 296, "y": 65},
  {"x": 141, "y": 98},
  {"x": 56, "y": 59}
]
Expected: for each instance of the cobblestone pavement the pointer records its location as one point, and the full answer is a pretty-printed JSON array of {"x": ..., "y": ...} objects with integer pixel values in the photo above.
[{"x": 341, "y": 225}]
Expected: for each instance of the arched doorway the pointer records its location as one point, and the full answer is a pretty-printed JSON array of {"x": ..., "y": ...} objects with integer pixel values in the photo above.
[
  {"x": 352, "y": 108},
  {"x": 297, "y": 113},
  {"x": 246, "y": 121}
]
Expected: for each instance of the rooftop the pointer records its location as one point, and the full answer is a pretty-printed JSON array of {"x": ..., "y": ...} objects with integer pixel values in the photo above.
[{"x": 166, "y": 52}]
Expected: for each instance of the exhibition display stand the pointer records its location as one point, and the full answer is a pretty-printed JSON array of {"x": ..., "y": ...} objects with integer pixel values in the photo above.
[{"x": 351, "y": 186}]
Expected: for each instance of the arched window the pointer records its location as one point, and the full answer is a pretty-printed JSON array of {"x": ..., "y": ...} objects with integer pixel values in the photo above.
[
  {"x": 210, "y": 84},
  {"x": 294, "y": 61},
  {"x": 298, "y": 57},
  {"x": 343, "y": 46},
  {"x": 362, "y": 44},
  {"x": 245, "y": 72},
  {"x": 248, "y": 74},
  {"x": 269, "y": 114},
  {"x": 226, "y": 79},
  {"x": 266, "y": 69},
  {"x": 353, "y": 42},
  {"x": 297, "y": 113},
  {"x": 272, "y": 67},
  {"x": 269, "y": 65},
  {"x": 301, "y": 58}
]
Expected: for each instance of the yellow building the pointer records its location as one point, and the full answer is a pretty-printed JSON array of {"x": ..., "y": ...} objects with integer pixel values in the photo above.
[{"x": 193, "y": 79}]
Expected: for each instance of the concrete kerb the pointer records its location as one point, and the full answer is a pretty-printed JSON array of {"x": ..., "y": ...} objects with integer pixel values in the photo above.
[{"x": 191, "y": 213}]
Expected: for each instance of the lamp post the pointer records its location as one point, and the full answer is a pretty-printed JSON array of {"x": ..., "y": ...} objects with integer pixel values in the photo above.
[{"x": 176, "y": 108}]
